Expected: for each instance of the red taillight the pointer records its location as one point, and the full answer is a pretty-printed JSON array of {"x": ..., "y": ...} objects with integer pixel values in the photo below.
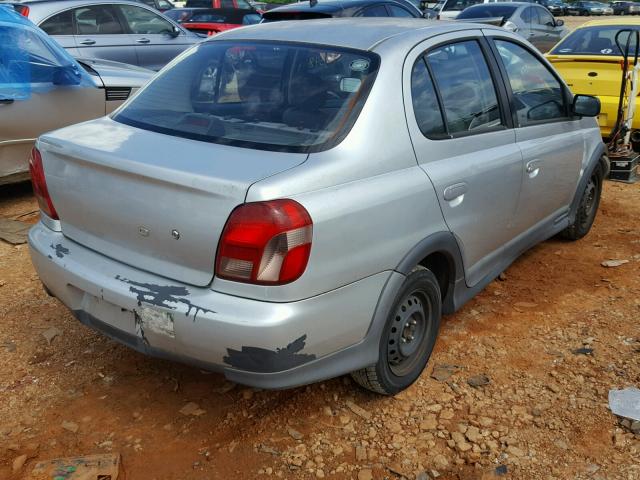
[
  {"x": 266, "y": 243},
  {"x": 22, "y": 10},
  {"x": 40, "y": 184}
]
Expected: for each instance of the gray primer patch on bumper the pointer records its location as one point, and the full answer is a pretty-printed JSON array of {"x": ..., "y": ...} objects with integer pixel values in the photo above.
[
  {"x": 155, "y": 321},
  {"x": 159, "y": 295},
  {"x": 60, "y": 250},
  {"x": 262, "y": 360}
]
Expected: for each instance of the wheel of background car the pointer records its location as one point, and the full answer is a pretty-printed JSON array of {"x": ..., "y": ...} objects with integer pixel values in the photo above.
[
  {"x": 408, "y": 337},
  {"x": 587, "y": 208}
]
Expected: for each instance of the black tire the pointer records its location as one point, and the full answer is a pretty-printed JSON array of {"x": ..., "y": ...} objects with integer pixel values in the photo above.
[
  {"x": 408, "y": 336},
  {"x": 587, "y": 208}
]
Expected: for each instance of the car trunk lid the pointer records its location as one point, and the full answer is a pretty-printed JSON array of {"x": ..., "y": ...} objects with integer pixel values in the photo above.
[
  {"x": 590, "y": 75},
  {"x": 149, "y": 200}
]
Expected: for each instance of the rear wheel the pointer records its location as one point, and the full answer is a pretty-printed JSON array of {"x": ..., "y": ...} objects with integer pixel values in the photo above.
[
  {"x": 587, "y": 208},
  {"x": 408, "y": 337}
]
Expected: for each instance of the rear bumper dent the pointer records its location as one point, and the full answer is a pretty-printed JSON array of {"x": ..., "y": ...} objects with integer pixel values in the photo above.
[{"x": 265, "y": 344}]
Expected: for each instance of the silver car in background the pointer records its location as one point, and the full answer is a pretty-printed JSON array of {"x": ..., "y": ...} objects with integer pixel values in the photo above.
[
  {"x": 43, "y": 88},
  {"x": 312, "y": 196},
  {"x": 122, "y": 31},
  {"x": 532, "y": 22}
]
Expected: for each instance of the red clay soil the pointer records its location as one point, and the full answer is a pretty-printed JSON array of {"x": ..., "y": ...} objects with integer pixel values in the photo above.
[{"x": 543, "y": 414}]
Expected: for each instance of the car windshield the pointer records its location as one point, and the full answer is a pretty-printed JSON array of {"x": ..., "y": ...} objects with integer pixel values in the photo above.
[
  {"x": 487, "y": 11},
  {"x": 271, "y": 96},
  {"x": 595, "y": 41}
]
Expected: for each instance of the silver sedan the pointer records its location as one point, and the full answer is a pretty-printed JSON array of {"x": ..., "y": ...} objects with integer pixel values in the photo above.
[
  {"x": 533, "y": 22},
  {"x": 122, "y": 31},
  {"x": 43, "y": 88},
  {"x": 314, "y": 195}
]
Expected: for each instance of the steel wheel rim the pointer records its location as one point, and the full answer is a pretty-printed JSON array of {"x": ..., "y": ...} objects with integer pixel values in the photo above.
[
  {"x": 410, "y": 328},
  {"x": 589, "y": 204}
]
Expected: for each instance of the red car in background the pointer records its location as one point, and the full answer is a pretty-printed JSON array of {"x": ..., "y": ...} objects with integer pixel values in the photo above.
[{"x": 209, "y": 21}]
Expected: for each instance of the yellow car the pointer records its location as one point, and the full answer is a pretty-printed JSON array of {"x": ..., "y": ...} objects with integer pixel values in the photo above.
[{"x": 591, "y": 63}]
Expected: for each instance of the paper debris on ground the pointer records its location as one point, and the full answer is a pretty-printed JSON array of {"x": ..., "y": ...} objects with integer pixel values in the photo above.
[
  {"x": 625, "y": 403},
  {"x": 14, "y": 231},
  {"x": 89, "y": 467}
]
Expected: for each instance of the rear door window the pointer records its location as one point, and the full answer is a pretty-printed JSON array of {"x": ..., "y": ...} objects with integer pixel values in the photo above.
[
  {"x": 463, "y": 79},
  {"x": 144, "y": 22},
  {"x": 530, "y": 15},
  {"x": 60, "y": 24},
  {"x": 396, "y": 11},
  {"x": 377, "y": 11},
  {"x": 271, "y": 96},
  {"x": 425, "y": 102},
  {"x": 538, "y": 96},
  {"x": 545, "y": 17},
  {"x": 97, "y": 20}
]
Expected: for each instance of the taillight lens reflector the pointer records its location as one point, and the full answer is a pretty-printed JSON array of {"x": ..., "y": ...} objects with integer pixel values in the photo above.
[
  {"x": 40, "y": 184},
  {"x": 265, "y": 243}
]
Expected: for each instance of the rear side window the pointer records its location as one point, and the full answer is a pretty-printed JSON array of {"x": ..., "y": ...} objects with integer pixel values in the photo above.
[
  {"x": 425, "y": 101},
  {"x": 459, "y": 5},
  {"x": 271, "y": 96},
  {"x": 538, "y": 96},
  {"x": 97, "y": 20},
  {"x": 544, "y": 17},
  {"x": 60, "y": 24},
  {"x": 487, "y": 11},
  {"x": 396, "y": 11},
  {"x": 144, "y": 22},
  {"x": 377, "y": 11},
  {"x": 464, "y": 82},
  {"x": 529, "y": 15}
]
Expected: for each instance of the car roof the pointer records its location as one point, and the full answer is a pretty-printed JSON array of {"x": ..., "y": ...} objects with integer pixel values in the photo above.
[
  {"x": 503, "y": 4},
  {"x": 328, "y": 6},
  {"x": 612, "y": 21},
  {"x": 359, "y": 33}
]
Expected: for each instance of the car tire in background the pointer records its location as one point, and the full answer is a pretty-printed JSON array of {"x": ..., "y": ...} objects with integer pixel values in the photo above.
[
  {"x": 587, "y": 207},
  {"x": 408, "y": 337}
]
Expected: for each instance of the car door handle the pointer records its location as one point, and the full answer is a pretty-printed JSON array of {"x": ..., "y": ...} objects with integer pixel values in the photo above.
[
  {"x": 533, "y": 168},
  {"x": 143, "y": 40},
  {"x": 6, "y": 101},
  {"x": 452, "y": 192},
  {"x": 88, "y": 41}
]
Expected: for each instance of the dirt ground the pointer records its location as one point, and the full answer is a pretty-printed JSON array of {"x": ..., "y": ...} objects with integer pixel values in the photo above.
[{"x": 542, "y": 414}]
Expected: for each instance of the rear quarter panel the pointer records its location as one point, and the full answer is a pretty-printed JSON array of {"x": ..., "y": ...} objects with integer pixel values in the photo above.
[{"x": 369, "y": 200}]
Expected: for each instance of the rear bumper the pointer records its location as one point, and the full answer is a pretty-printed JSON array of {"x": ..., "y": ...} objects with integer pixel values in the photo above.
[
  {"x": 609, "y": 111},
  {"x": 265, "y": 344}
]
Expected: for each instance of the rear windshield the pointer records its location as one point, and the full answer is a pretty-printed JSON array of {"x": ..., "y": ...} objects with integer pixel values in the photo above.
[
  {"x": 270, "y": 96},
  {"x": 292, "y": 15},
  {"x": 487, "y": 11},
  {"x": 596, "y": 41}
]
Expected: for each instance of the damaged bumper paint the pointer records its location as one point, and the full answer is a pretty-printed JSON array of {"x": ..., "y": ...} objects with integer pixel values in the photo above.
[{"x": 257, "y": 341}]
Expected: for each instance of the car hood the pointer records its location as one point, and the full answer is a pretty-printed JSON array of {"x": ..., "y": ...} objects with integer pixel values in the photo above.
[{"x": 116, "y": 74}]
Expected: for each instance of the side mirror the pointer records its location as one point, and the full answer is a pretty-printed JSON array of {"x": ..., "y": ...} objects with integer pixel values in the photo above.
[
  {"x": 586, "y": 106},
  {"x": 66, "y": 75},
  {"x": 559, "y": 23},
  {"x": 175, "y": 31}
]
